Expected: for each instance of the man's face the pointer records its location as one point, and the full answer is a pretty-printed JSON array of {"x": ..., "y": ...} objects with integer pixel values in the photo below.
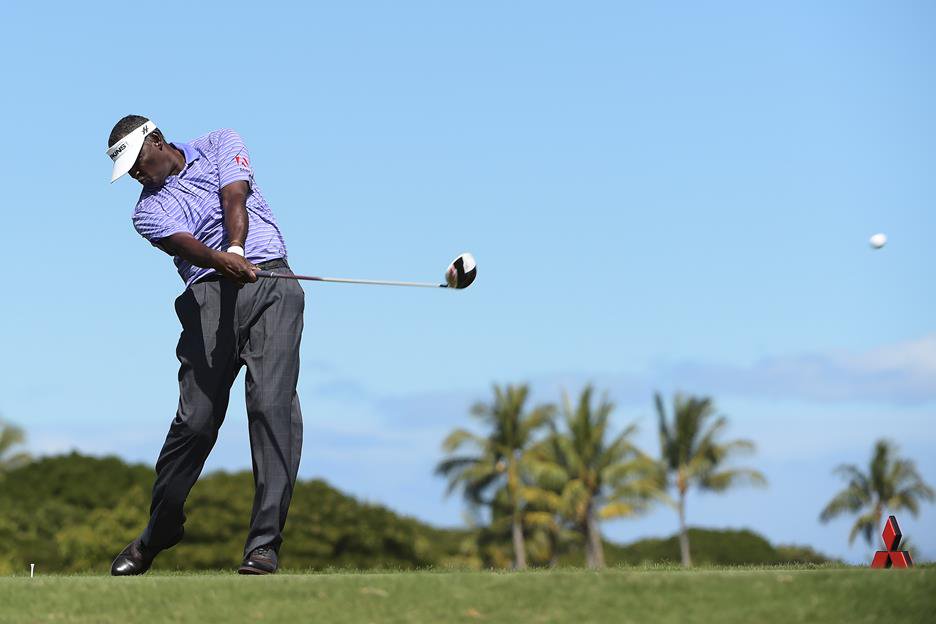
[{"x": 154, "y": 163}]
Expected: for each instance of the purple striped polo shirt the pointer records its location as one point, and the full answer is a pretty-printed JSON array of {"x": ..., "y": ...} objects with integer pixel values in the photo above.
[{"x": 191, "y": 202}]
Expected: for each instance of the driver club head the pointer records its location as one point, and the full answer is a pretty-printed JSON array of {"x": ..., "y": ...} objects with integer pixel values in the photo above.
[{"x": 462, "y": 272}]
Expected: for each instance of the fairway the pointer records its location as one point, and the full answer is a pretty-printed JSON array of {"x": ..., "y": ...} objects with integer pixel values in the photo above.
[{"x": 619, "y": 595}]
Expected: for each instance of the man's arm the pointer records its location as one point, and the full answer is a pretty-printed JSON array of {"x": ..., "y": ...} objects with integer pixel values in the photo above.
[
  {"x": 187, "y": 247},
  {"x": 234, "y": 203}
]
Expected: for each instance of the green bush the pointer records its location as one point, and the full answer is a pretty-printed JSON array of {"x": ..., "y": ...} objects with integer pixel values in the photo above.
[{"x": 74, "y": 513}]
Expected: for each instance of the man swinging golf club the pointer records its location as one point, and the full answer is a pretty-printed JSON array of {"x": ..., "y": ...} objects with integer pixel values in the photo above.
[{"x": 201, "y": 205}]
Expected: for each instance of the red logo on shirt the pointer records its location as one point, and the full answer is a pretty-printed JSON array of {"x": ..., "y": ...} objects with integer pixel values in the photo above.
[{"x": 242, "y": 161}]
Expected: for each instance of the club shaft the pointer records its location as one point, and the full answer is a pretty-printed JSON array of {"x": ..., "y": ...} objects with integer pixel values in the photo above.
[{"x": 344, "y": 280}]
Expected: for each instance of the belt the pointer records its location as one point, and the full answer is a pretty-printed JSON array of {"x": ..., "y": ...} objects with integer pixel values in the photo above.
[{"x": 267, "y": 265}]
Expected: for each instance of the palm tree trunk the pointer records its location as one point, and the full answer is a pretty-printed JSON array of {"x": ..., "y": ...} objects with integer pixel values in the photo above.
[
  {"x": 519, "y": 547},
  {"x": 878, "y": 514},
  {"x": 553, "y": 549},
  {"x": 516, "y": 528},
  {"x": 594, "y": 548},
  {"x": 683, "y": 533}
]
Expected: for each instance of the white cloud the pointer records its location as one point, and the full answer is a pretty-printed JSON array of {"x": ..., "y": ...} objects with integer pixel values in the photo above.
[{"x": 899, "y": 374}]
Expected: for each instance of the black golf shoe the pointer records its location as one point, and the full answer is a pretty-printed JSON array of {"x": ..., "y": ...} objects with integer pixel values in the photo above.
[
  {"x": 132, "y": 560},
  {"x": 260, "y": 560}
]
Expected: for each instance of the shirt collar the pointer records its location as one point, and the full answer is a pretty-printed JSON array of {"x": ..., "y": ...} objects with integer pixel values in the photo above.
[{"x": 191, "y": 154}]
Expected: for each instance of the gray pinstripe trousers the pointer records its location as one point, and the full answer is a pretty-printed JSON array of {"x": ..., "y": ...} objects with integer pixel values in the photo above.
[{"x": 223, "y": 328}]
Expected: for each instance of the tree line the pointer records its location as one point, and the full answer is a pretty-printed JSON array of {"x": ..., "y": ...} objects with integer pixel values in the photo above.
[
  {"x": 72, "y": 513},
  {"x": 541, "y": 479},
  {"x": 554, "y": 473},
  {"x": 546, "y": 476}
]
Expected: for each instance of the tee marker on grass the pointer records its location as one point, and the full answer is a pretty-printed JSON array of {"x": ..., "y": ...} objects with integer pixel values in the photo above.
[{"x": 891, "y": 557}]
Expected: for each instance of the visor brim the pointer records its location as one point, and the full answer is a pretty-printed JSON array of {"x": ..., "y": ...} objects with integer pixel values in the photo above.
[{"x": 125, "y": 151}]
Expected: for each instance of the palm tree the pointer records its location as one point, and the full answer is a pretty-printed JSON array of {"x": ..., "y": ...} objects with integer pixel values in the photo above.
[
  {"x": 891, "y": 483},
  {"x": 542, "y": 531},
  {"x": 586, "y": 477},
  {"x": 11, "y": 436},
  {"x": 494, "y": 462},
  {"x": 692, "y": 454}
]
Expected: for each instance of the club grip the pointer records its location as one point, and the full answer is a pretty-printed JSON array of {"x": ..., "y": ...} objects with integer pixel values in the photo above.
[{"x": 263, "y": 273}]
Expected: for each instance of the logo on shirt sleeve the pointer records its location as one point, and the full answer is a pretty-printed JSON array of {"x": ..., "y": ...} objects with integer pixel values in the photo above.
[{"x": 242, "y": 162}]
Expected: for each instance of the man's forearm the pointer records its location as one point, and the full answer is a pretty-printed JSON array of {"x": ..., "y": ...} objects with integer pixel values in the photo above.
[
  {"x": 234, "y": 204},
  {"x": 190, "y": 249}
]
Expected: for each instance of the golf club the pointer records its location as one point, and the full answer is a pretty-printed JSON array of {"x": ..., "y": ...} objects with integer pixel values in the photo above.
[{"x": 460, "y": 274}]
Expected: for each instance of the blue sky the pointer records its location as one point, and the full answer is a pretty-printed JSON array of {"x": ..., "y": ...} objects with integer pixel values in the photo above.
[{"x": 664, "y": 196}]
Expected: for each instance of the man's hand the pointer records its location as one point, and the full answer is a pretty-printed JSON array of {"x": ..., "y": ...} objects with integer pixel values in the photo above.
[
  {"x": 234, "y": 267},
  {"x": 187, "y": 247}
]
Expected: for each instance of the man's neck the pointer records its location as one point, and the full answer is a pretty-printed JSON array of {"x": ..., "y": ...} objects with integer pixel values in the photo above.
[{"x": 179, "y": 160}]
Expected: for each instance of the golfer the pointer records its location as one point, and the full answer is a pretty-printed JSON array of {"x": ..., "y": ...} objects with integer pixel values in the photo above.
[{"x": 201, "y": 205}]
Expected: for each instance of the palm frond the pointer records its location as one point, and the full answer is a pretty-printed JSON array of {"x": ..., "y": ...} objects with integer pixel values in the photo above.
[
  {"x": 540, "y": 519},
  {"x": 541, "y": 498},
  {"x": 854, "y": 475},
  {"x": 575, "y": 499},
  {"x": 901, "y": 501},
  {"x": 851, "y": 499},
  {"x": 619, "y": 509},
  {"x": 724, "y": 479},
  {"x": 865, "y": 525},
  {"x": 11, "y": 436},
  {"x": 455, "y": 464},
  {"x": 545, "y": 474},
  {"x": 460, "y": 437}
]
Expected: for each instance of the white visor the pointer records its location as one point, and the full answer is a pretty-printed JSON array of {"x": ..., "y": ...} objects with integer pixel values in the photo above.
[{"x": 125, "y": 151}]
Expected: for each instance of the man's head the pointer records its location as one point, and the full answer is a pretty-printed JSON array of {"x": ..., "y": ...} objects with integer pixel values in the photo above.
[{"x": 137, "y": 146}]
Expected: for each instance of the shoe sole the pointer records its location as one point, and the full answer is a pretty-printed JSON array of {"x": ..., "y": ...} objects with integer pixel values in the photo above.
[{"x": 252, "y": 571}]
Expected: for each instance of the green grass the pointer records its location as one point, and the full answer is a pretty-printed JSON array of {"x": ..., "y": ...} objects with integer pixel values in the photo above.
[{"x": 641, "y": 594}]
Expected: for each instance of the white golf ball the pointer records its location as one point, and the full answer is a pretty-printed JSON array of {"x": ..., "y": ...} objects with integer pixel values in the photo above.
[{"x": 878, "y": 240}]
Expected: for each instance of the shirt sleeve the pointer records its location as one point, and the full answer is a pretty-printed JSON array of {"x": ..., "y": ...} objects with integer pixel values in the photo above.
[
  {"x": 154, "y": 224},
  {"x": 233, "y": 159}
]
